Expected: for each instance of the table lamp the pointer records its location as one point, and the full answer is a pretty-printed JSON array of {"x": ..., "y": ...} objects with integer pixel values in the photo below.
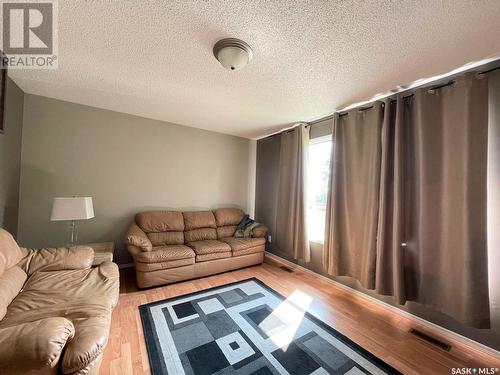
[{"x": 72, "y": 209}]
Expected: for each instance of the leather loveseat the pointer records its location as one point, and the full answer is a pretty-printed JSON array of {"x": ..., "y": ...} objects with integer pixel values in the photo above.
[
  {"x": 55, "y": 310},
  {"x": 170, "y": 246}
]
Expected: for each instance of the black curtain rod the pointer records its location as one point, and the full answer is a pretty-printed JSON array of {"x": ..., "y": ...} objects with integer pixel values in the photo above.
[
  {"x": 489, "y": 70},
  {"x": 329, "y": 117},
  {"x": 361, "y": 109},
  {"x": 452, "y": 82}
]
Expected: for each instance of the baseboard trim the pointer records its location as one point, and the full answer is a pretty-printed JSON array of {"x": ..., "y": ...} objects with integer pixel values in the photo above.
[{"x": 474, "y": 345}]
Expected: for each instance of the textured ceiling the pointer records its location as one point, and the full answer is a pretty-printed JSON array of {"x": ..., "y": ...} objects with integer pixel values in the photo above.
[{"x": 154, "y": 58}]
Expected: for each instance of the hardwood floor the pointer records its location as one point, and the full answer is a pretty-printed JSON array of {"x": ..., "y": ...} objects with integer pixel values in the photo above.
[{"x": 378, "y": 330}]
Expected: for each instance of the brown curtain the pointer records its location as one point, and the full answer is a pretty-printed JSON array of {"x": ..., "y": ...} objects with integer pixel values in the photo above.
[
  {"x": 291, "y": 220},
  {"x": 447, "y": 164},
  {"x": 390, "y": 263},
  {"x": 352, "y": 206},
  {"x": 432, "y": 234}
]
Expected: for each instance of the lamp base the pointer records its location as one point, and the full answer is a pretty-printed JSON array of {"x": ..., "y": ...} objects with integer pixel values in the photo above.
[{"x": 72, "y": 234}]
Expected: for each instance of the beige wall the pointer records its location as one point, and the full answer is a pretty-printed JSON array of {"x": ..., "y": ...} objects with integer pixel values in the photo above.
[
  {"x": 126, "y": 163},
  {"x": 10, "y": 157}
]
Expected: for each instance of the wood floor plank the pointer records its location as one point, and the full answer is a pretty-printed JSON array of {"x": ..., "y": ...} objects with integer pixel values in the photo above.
[{"x": 377, "y": 329}]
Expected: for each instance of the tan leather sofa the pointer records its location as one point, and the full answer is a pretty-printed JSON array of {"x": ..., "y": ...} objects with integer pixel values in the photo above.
[
  {"x": 55, "y": 310},
  {"x": 170, "y": 246}
]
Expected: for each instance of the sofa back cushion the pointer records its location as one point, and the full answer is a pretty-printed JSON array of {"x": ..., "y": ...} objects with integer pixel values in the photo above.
[
  {"x": 227, "y": 231},
  {"x": 227, "y": 219},
  {"x": 162, "y": 227},
  {"x": 160, "y": 221},
  {"x": 166, "y": 238},
  {"x": 199, "y": 226},
  {"x": 200, "y": 234}
]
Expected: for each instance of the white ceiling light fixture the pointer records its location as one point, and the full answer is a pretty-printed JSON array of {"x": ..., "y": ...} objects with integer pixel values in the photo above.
[{"x": 233, "y": 54}]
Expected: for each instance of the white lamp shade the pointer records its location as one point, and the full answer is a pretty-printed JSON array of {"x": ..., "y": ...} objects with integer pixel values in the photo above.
[{"x": 74, "y": 208}]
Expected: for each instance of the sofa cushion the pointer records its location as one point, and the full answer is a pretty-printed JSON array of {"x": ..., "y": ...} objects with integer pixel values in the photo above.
[
  {"x": 160, "y": 221},
  {"x": 165, "y": 254},
  {"x": 58, "y": 259},
  {"x": 227, "y": 231},
  {"x": 248, "y": 251},
  {"x": 199, "y": 219},
  {"x": 228, "y": 216},
  {"x": 200, "y": 234},
  {"x": 209, "y": 247},
  {"x": 87, "y": 292},
  {"x": 238, "y": 244},
  {"x": 166, "y": 238},
  {"x": 150, "y": 267},
  {"x": 213, "y": 256}
]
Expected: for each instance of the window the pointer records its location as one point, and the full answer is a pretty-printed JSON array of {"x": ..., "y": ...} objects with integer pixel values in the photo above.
[{"x": 319, "y": 170}]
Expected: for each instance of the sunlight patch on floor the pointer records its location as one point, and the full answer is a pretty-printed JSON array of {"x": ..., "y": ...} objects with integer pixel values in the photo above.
[{"x": 290, "y": 312}]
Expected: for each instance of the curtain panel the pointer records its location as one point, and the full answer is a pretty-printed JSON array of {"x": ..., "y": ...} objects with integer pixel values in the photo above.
[
  {"x": 391, "y": 226},
  {"x": 407, "y": 206},
  {"x": 352, "y": 204},
  {"x": 291, "y": 214},
  {"x": 447, "y": 233}
]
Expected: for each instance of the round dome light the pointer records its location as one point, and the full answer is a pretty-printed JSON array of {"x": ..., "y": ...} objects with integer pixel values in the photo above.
[{"x": 233, "y": 54}]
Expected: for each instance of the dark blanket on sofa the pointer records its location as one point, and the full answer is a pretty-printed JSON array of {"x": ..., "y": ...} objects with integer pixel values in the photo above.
[{"x": 245, "y": 227}]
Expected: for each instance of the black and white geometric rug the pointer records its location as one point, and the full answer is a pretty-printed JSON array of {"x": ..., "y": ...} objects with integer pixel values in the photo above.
[{"x": 248, "y": 328}]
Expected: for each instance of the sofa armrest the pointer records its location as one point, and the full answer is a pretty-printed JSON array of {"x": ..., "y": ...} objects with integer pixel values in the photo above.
[
  {"x": 33, "y": 346},
  {"x": 84, "y": 349},
  {"x": 136, "y": 237},
  {"x": 260, "y": 231},
  {"x": 111, "y": 276},
  {"x": 58, "y": 259}
]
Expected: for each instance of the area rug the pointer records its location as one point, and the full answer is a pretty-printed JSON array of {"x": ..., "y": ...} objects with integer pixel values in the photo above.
[{"x": 248, "y": 328}]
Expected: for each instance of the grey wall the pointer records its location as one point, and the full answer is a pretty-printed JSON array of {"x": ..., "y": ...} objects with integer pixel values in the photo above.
[
  {"x": 126, "y": 163},
  {"x": 267, "y": 174},
  {"x": 266, "y": 182},
  {"x": 10, "y": 157}
]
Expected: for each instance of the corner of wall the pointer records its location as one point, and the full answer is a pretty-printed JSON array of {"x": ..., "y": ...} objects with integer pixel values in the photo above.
[{"x": 252, "y": 169}]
